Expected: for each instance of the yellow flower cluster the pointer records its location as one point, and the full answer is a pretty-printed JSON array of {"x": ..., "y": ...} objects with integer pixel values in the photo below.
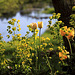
[{"x": 1, "y": 36}]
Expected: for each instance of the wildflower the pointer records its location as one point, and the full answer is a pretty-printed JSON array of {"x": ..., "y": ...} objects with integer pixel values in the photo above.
[
  {"x": 40, "y": 46},
  {"x": 1, "y": 37},
  {"x": 18, "y": 35},
  {"x": 28, "y": 55},
  {"x": 63, "y": 47},
  {"x": 14, "y": 28},
  {"x": 12, "y": 23},
  {"x": 59, "y": 48},
  {"x": 68, "y": 32},
  {"x": 63, "y": 55},
  {"x": 32, "y": 54},
  {"x": 0, "y": 43},
  {"x": 60, "y": 21},
  {"x": 8, "y": 36},
  {"x": 8, "y": 27},
  {"x": 71, "y": 34},
  {"x": 3, "y": 49},
  {"x": 50, "y": 17},
  {"x": 40, "y": 24},
  {"x": 50, "y": 49},
  {"x": 23, "y": 63},
  {"x": 50, "y": 22},
  {"x": 18, "y": 21},
  {"x": 19, "y": 29},
  {"x": 10, "y": 31},
  {"x": 37, "y": 37},
  {"x": 42, "y": 39},
  {"x": 9, "y": 22},
  {"x": 50, "y": 57},
  {"x": 13, "y": 19},
  {"x": 36, "y": 30},
  {"x": 45, "y": 44},
  {"x": 48, "y": 26},
  {"x": 33, "y": 25},
  {"x": 28, "y": 25},
  {"x": 32, "y": 43},
  {"x": 47, "y": 39},
  {"x": 18, "y": 25},
  {"x": 50, "y": 44},
  {"x": 62, "y": 32}
]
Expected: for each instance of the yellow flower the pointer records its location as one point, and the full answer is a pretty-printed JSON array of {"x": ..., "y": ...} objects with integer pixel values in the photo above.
[
  {"x": 33, "y": 25},
  {"x": 18, "y": 35},
  {"x": 0, "y": 34},
  {"x": 42, "y": 39},
  {"x": 32, "y": 54},
  {"x": 23, "y": 62},
  {"x": 32, "y": 43},
  {"x": 8, "y": 36},
  {"x": 28, "y": 55},
  {"x": 18, "y": 21},
  {"x": 19, "y": 29},
  {"x": 40, "y": 24},
  {"x": 0, "y": 43},
  {"x": 50, "y": 49},
  {"x": 50, "y": 17},
  {"x": 59, "y": 48},
  {"x": 14, "y": 19},
  {"x": 47, "y": 39},
  {"x": 41, "y": 46},
  {"x": 36, "y": 30},
  {"x": 18, "y": 25},
  {"x": 45, "y": 44},
  {"x": 14, "y": 28}
]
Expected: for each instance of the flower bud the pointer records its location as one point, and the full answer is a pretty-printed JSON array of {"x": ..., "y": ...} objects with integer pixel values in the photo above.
[
  {"x": 33, "y": 25},
  {"x": 40, "y": 24}
]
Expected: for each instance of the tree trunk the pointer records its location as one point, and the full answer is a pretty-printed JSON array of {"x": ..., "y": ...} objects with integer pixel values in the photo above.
[{"x": 65, "y": 8}]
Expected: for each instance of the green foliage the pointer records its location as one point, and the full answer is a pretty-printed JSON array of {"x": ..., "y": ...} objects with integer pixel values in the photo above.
[
  {"x": 12, "y": 6},
  {"x": 36, "y": 55},
  {"x": 73, "y": 8},
  {"x": 49, "y": 10}
]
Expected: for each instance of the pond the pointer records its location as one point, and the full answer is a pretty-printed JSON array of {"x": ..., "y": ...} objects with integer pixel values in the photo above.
[{"x": 24, "y": 21}]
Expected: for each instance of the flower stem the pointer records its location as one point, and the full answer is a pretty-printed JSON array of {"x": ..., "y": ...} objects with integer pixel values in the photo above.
[
  {"x": 36, "y": 52},
  {"x": 39, "y": 36},
  {"x": 39, "y": 48},
  {"x": 69, "y": 45},
  {"x": 48, "y": 63}
]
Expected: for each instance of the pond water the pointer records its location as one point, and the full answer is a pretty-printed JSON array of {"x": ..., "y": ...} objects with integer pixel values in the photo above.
[{"x": 24, "y": 21}]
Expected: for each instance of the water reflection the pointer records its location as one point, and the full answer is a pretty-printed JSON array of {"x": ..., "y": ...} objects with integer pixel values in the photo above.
[{"x": 24, "y": 21}]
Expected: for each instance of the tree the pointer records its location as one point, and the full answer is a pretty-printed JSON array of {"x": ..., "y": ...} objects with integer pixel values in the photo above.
[{"x": 65, "y": 8}]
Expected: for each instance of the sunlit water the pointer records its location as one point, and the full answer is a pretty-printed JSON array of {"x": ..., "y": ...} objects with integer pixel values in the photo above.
[{"x": 24, "y": 21}]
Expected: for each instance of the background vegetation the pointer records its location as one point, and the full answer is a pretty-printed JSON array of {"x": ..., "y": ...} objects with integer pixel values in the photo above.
[{"x": 12, "y": 6}]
